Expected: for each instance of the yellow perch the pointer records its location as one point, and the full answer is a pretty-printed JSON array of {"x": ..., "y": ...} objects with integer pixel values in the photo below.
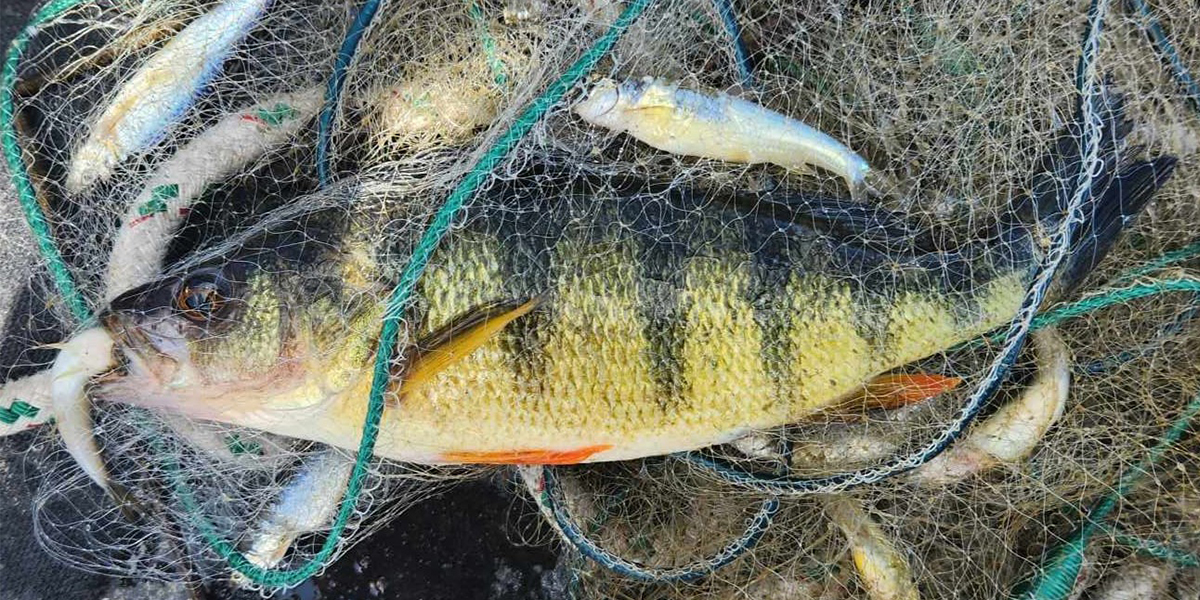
[
  {"x": 570, "y": 319},
  {"x": 682, "y": 121},
  {"x": 592, "y": 335}
]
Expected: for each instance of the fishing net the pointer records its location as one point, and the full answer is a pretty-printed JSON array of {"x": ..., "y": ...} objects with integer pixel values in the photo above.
[{"x": 402, "y": 165}]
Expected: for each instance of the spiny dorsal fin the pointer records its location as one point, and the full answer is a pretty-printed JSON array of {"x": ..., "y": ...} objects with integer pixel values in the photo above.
[{"x": 460, "y": 337}]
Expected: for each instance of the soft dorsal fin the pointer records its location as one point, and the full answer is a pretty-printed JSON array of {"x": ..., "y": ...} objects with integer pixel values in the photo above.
[
  {"x": 847, "y": 221},
  {"x": 460, "y": 337}
]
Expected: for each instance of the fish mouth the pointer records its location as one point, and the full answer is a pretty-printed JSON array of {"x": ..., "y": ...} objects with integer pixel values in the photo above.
[
  {"x": 159, "y": 373},
  {"x": 601, "y": 100},
  {"x": 155, "y": 350}
]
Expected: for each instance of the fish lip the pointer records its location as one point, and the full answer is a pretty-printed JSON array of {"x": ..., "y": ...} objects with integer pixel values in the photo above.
[
  {"x": 147, "y": 353},
  {"x": 128, "y": 336},
  {"x": 601, "y": 100},
  {"x": 128, "y": 348}
]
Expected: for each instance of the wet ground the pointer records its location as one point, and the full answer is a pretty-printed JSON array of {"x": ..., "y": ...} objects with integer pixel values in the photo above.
[{"x": 461, "y": 545}]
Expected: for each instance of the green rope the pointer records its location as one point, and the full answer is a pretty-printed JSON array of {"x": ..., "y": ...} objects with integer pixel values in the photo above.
[
  {"x": 1115, "y": 296},
  {"x": 16, "y": 162},
  {"x": 1056, "y": 578},
  {"x": 489, "y": 45},
  {"x": 1187, "y": 252},
  {"x": 1153, "y": 548}
]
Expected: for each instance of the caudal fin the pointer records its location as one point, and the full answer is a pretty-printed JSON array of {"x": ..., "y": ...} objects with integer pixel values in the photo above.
[
  {"x": 1120, "y": 186},
  {"x": 1108, "y": 213}
]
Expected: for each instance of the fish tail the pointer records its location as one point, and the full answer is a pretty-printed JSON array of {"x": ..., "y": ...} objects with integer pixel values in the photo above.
[
  {"x": 1108, "y": 213},
  {"x": 1121, "y": 187}
]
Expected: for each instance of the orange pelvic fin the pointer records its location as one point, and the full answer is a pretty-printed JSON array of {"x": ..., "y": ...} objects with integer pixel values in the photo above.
[
  {"x": 526, "y": 457},
  {"x": 891, "y": 391}
]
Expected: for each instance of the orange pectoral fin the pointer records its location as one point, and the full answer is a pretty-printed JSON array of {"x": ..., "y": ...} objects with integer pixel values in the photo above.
[
  {"x": 896, "y": 390},
  {"x": 525, "y": 457}
]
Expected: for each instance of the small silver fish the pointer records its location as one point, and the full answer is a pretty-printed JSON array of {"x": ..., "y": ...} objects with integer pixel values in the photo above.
[
  {"x": 160, "y": 91},
  {"x": 84, "y": 356},
  {"x": 1013, "y": 432},
  {"x": 306, "y": 505},
  {"x": 682, "y": 121}
]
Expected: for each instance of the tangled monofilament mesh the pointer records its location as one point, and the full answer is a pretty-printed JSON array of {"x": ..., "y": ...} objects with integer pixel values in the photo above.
[{"x": 954, "y": 104}]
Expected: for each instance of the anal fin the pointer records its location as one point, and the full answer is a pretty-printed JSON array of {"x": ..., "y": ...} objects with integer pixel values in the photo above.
[{"x": 892, "y": 391}]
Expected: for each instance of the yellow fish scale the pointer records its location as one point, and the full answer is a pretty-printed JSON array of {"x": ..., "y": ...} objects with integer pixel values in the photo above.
[
  {"x": 918, "y": 325},
  {"x": 597, "y": 378},
  {"x": 358, "y": 269},
  {"x": 998, "y": 302},
  {"x": 342, "y": 367},
  {"x": 597, "y": 386},
  {"x": 259, "y": 344},
  {"x": 331, "y": 353},
  {"x": 831, "y": 358},
  {"x": 727, "y": 383},
  {"x": 474, "y": 402}
]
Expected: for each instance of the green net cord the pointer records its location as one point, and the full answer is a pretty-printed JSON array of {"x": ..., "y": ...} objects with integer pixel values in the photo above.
[
  {"x": 489, "y": 45},
  {"x": 1152, "y": 548},
  {"x": 1056, "y": 578},
  {"x": 16, "y": 162}
]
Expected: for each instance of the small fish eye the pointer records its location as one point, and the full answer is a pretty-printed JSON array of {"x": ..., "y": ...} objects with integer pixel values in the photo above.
[{"x": 200, "y": 299}]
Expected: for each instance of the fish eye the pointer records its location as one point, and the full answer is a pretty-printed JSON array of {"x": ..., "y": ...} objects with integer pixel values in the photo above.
[{"x": 202, "y": 297}]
